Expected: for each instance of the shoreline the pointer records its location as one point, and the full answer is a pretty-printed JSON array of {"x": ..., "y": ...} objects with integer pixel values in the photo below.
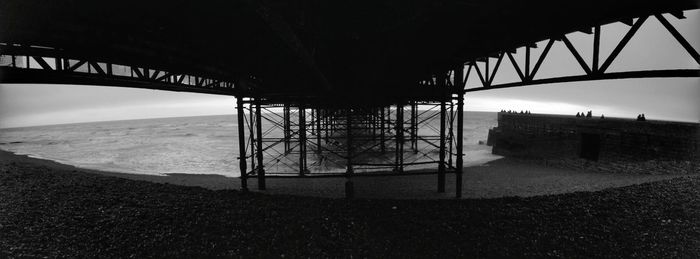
[{"x": 504, "y": 177}]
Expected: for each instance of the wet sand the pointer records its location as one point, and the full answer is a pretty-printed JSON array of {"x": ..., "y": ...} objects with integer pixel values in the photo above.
[{"x": 501, "y": 178}]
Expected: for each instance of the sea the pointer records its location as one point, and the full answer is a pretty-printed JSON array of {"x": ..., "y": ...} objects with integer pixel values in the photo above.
[{"x": 181, "y": 145}]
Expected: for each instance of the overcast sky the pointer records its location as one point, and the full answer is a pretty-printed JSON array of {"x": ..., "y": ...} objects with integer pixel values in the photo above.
[{"x": 652, "y": 48}]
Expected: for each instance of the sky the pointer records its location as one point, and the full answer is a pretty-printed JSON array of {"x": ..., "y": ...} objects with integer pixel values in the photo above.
[{"x": 651, "y": 48}]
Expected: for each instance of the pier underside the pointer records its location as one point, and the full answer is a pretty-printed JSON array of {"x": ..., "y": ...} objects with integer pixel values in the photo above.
[{"x": 325, "y": 88}]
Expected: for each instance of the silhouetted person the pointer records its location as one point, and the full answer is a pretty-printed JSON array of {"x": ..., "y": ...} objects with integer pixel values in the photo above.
[
  {"x": 589, "y": 114},
  {"x": 641, "y": 117}
]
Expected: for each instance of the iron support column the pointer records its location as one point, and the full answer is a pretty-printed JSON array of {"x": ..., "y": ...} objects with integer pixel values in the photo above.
[
  {"x": 388, "y": 118},
  {"x": 441, "y": 165},
  {"x": 459, "y": 85},
  {"x": 451, "y": 133},
  {"x": 371, "y": 121},
  {"x": 399, "y": 138},
  {"x": 381, "y": 130},
  {"x": 287, "y": 127},
  {"x": 312, "y": 123},
  {"x": 326, "y": 124},
  {"x": 349, "y": 187},
  {"x": 318, "y": 131},
  {"x": 414, "y": 127},
  {"x": 258, "y": 126},
  {"x": 460, "y": 128},
  {"x": 302, "y": 141},
  {"x": 241, "y": 144},
  {"x": 251, "y": 125}
]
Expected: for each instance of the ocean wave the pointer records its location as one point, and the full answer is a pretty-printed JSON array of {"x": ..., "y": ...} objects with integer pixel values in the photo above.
[{"x": 191, "y": 145}]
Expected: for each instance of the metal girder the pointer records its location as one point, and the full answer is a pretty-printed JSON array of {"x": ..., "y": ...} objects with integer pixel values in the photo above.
[
  {"x": 616, "y": 75},
  {"x": 635, "y": 27},
  {"x": 692, "y": 51},
  {"x": 99, "y": 73},
  {"x": 597, "y": 70},
  {"x": 38, "y": 76}
]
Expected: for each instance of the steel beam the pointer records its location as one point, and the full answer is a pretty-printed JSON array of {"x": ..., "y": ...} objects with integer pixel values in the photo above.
[
  {"x": 441, "y": 165},
  {"x": 686, "y": 45},
  {"x": 578, "y": 57},
  {"x": 251, "y": 126},
  {"x": 318, "y": 131},
  {"x": 302, "y": 140},
  {"x": 12, "y": 75},
  {"x": 450, "y": 134},
  {"x": 605, "y": 76},
  {"x": 241, "y": 144},
  {"x": 460, "y": 137},
  {"x": 531, "y": 74},
  {"x": 596, "y": 49},
  {"x": 399, "y": 138},
  {"x": 258, "y": 125},
  {"x": 382, "y": 140},
  {"x": 622, "y": 43},
  {"x": 349, "y": 186},
  {"x": 286, "y": 131}
]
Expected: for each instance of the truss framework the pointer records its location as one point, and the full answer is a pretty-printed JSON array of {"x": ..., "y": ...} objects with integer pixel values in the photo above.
[
  {"x": 595, "y": 69},
  {"x": 284, "y": 140},
  {"x": 36, "y": 64}
]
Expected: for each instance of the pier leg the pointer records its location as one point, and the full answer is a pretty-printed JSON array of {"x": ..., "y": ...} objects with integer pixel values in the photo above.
[
  {"x": 460, "y": 133},
  {"x": 242, "y": 144},
  {"x": 326, "y": 124},
  {"x": 399, "y": 138},
  {"x": 318, "y": 131},
  {"x": 382, "y": 146},
  {"x": 372, "y": 122},
  {"x": 388, "y": 118},
  {"x": 414, "y": 127},
  {"x": 258, "y": 125},
  {"x": 349, "y": 186},
  {"x": 312, "y": 123},
  {"x": 251, "y": 125},
  {"x": 450, "y": 134},
  {"x": 302, "y": 141},
  {"x": 441, "y": 165},
  {"x": 287, "y": 128}
]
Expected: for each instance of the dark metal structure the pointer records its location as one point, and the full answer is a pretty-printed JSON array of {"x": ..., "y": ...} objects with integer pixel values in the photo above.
[{"x": 347, "y": 87}]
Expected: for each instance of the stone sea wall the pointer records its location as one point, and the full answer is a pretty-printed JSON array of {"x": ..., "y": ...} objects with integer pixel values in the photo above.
[{"x": 599, "y": 144}]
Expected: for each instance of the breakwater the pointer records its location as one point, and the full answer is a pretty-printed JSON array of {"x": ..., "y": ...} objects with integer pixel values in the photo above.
[{"x": 599, "y": 144}]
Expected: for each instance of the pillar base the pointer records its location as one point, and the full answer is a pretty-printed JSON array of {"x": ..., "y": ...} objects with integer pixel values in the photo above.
[
  {"x": 261, "y": 180},
  {"x": 349, "y": 189},
  {"x": 441, "y": 182}
]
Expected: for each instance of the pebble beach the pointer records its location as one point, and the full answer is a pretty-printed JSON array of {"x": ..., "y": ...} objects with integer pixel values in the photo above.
[{"x": 53, "y": 210}]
